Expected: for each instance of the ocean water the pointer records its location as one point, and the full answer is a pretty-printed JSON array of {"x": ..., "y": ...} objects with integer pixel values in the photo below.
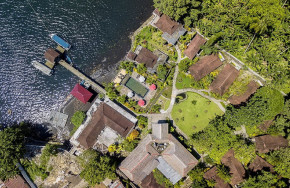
[{"x": 98, "y": 30}]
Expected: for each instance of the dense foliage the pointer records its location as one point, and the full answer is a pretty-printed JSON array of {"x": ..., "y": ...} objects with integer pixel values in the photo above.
[
  {"x": 264, "y": 105},
  {"x": 78, "y": 118},
  {"x": 11, "y": 150},
  {"x": 281, "y": 160},
  {"x": 264, "y": 179},
  {"x": 259, "y": 26},
  {"x": 96, "y": 167}
]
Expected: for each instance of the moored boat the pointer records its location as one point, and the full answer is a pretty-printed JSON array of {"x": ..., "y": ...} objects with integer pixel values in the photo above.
[
  {"x": 60, "y": 41},
  {"x": 42, "y": 68}
]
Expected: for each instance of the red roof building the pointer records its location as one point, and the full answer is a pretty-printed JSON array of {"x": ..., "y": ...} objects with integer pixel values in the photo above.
[
  {"x": 81, "y": 93},
  {"x": 153, "y": 87},
  {"x": 141, "y": 102}
]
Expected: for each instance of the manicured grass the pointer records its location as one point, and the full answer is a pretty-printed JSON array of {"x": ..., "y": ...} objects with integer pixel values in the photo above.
[
  {"x": 192, "y": 118},
  {"x": 137, "y": 87},
  {"x": 164, "y": 102},
  {"x": 184, "y": 81},
  {"x": 167, "y": 92}
]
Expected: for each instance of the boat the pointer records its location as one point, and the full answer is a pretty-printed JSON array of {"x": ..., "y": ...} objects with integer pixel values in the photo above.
[
  {"x": 42, "y": 68},
  {"x": 60, "y": 41},
  {"x": 68, "y": 59}
]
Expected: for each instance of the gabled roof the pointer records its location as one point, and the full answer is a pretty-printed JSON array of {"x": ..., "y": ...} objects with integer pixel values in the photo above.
[
  {"x": 224, "y": 80},
  {"x": 16, "y": 182},
  {"x": 252, "y": 88},
  {"x": 144, "y": 158},
  {"x": 104, "y": 116},
  {"x": 212, "y": 175},
  {"x": 81, "y": 93},
  {"x": 167, "y": 25},
  {"x": 266, "y": 143},
  {"x": 205, "y": 66},
  {"x": 194, "y": 46},
  {"x": 51, "y": 55},
  {"x": 265, "y": 125},
  {"x": 237, "y": 170},
  {"x": 147, "y": 57},
  {"x": 260, "y": 164}
]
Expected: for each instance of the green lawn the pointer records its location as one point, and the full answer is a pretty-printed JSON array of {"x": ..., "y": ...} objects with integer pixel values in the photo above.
[
  {"x": 164, "y": 102},
  {"x": 190, "y": 117}
]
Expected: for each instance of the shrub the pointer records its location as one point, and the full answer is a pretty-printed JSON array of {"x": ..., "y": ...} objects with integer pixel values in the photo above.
[
  {"x": 133, "y": 135},
  {"x": 78, "y": 118}
]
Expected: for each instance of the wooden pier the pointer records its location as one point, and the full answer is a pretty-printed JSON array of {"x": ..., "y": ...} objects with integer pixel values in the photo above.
[{"x": 82, "y": 76}]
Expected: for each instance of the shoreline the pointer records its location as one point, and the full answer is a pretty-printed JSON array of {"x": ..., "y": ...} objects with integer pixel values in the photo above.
[{"x": 108, "y": 78}]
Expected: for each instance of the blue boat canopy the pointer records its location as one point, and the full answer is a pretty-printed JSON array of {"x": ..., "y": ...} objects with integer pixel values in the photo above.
[{"x": 60, "y": 41}]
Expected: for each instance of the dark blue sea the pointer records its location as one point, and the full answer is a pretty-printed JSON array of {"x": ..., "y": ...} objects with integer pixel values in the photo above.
[{"x": 98, "y": 30}]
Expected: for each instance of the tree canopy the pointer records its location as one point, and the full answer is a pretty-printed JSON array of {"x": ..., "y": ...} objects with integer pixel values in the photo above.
[
  {"x": 11, "y": 150},
  {"x": 264, "y": 105},
  {"x": 96, "y": 167},
  {"x": 239, "y": 20}
]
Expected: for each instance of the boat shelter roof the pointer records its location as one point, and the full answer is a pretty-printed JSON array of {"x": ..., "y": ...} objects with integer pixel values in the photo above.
[
  {"x": 51, "y": 55},
  {"x": 81, "y": 93}
]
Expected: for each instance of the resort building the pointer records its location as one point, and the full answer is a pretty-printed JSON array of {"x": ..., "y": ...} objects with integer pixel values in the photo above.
[
  {"x": 171, "y": 29},
  {"x": 158, "y": 150},
  {"x": 194, "y": 46},
  {"x": 252, "y": 88},
  {"x": 237, "y": 170},
  {"x": 224, "y": 79},
  {"x": 81, "y": 93},
  {"x": 260, "y": 164},
  {"x": 265, "y": 125},
  {"x": 212, "y": 175},
  {"x": 267, "y": 143},
  {"x": 105, "y": 123},
  {"x": 205, "y": 66},
  {"x": 150, "y": 59}
]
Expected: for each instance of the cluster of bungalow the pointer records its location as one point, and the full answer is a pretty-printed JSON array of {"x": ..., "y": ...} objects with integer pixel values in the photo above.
[
  {"x": 264, "y": 144},
  {"x": 208, "y": 64}
]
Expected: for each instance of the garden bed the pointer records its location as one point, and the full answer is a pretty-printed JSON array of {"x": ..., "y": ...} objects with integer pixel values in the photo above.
[{"x": 193, "y": 114}]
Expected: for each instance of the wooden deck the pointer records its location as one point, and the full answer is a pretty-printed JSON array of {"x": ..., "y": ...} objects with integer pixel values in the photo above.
[{"x": 82, "y": 76}]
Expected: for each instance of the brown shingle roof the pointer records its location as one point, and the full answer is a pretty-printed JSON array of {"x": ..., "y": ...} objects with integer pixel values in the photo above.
[
  {"x": 167, "y": 25},
  {"x": 236, "y": 168},
  {"x": 265, "y": 125},
  {"x": 194, "y": 46},
  {"x": 266, "y": 143},
  {"x": 212, "y": 175},
  {"x": 51, "y": 55},
  {"x": 131, "y": 55},
  {"x": 104, "y": 116},
  {"x": 143, "y": 159},
  {"x": 16, "y": 182},
  {"x": 150, "y": 182},
  {"x": 205, "y": 66},
  {"x": 147, "y": 57},
  {"x": 252, "y": 87},
  {"x": 224, "y": 80},
  {"x": 259, "y": 164}
]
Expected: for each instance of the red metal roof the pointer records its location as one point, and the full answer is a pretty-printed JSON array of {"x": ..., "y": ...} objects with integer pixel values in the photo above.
[{"x": 81, "y": 93}]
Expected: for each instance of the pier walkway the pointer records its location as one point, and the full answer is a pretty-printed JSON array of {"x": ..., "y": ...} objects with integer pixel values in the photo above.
[{"x": 82, "y": 76}]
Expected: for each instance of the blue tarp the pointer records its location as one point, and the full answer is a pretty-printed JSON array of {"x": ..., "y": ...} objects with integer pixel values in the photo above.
[{"x": 61, "y": 42}]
